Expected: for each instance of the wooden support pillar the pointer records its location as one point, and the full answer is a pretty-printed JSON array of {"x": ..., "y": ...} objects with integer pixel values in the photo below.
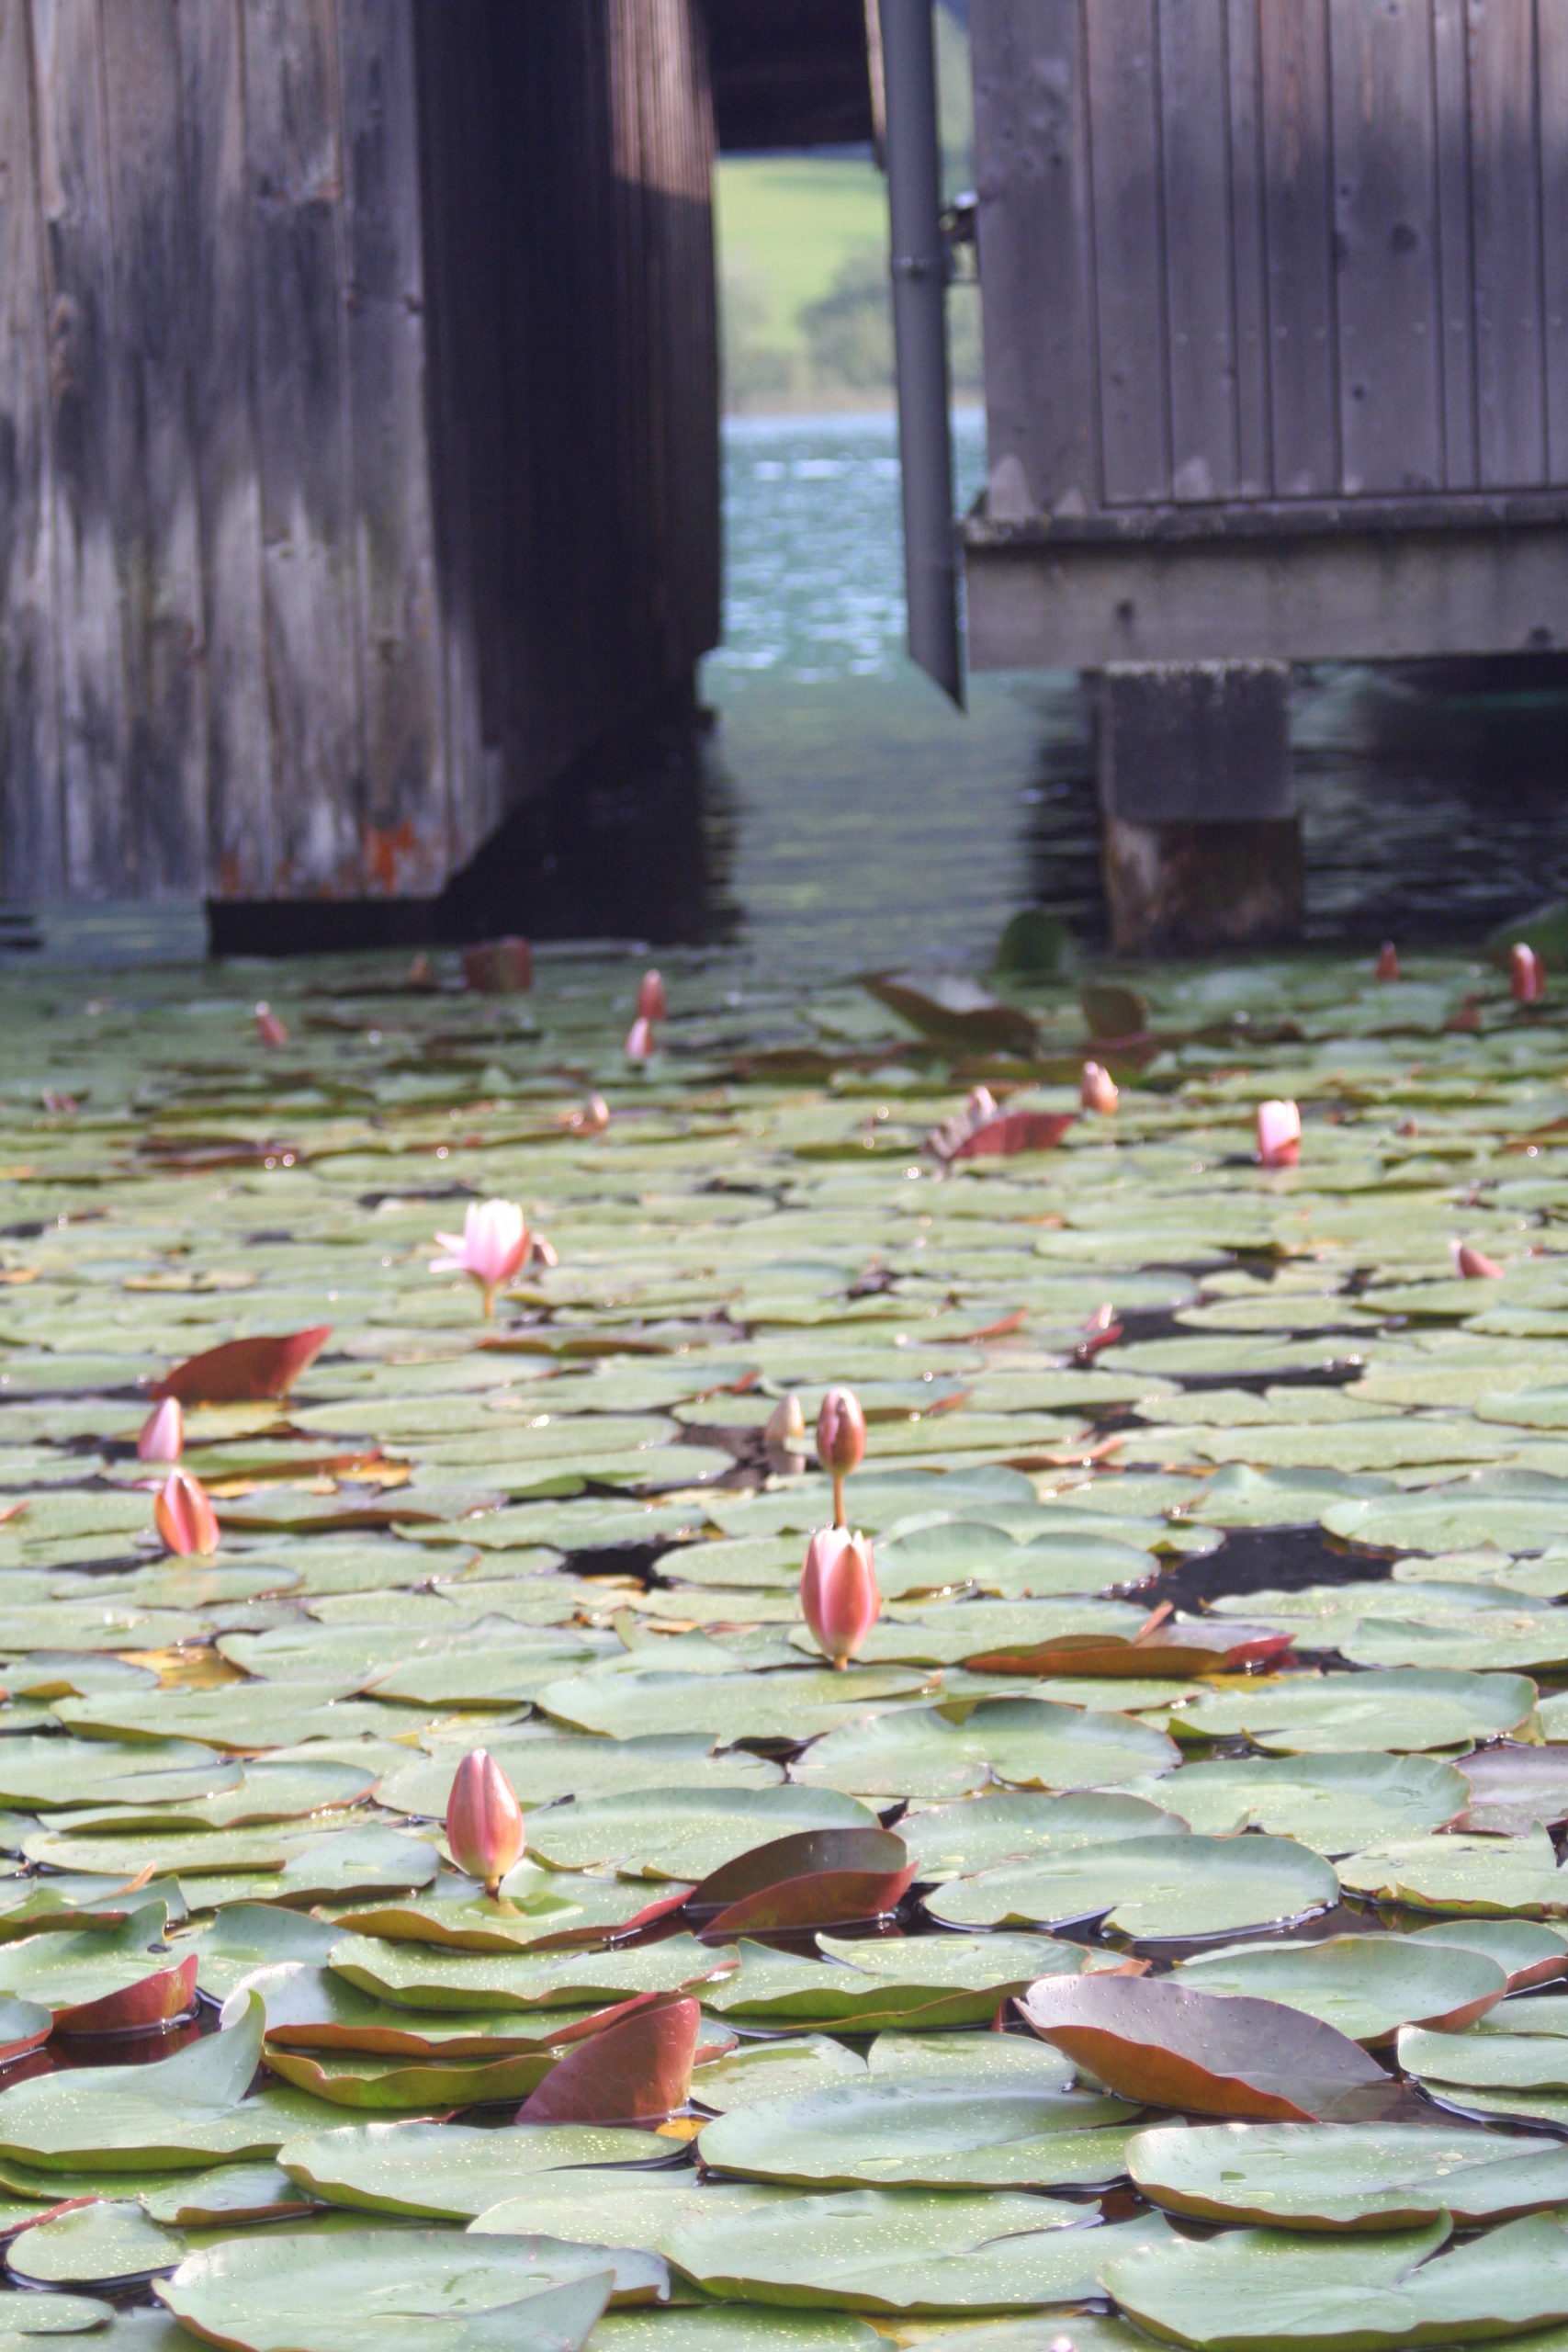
[{"x": 1200, "y": 838}]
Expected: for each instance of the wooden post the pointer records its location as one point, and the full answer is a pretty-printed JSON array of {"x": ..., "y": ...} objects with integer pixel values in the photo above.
[{"x": 1202, "y": 841}]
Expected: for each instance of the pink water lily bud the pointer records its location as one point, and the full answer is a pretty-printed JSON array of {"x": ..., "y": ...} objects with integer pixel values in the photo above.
[
  {"x": 840, "y": 1442},
  {"x": 1526, "y": 975},
  {"x": 640, "y": 1039},
  {"x": 542, "y": 1252},
  {"x": 1278, "y": 1135},
  {"x": 163, "y": 1434},
  {"x": 650, "y": 999},
  {"x": 1387, "y": 966},
  {"x": 184, "y": 1517},
  {"x": 1474, "y": 1264},
  {"x": 490, "y": 1250},
  {"x": 591, "y": 1119},
  {"x": 785, "y": 1425},
  {"x": 839, "y": 1595},
  {"x": 484, "y": 1820},
  {"x": 1098, "y": 1090},
  {"x": 270, "y": 1030}
]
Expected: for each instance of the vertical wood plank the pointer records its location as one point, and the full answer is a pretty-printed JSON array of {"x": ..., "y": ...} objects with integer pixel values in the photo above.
[
  {"x": 1505, "y": 214},
  {"x": 1457, "y": 288},
  {"x": 73, "y": 196},
  {"x": 1299, "y": 231},
  {"x": 153, "y": 513},
  {"x": 1125, "y": 178},
  {"x": 405, "y": 827},
  {"x": 1195, "y": 144},
  {"x": 223, "y": 381},
  {"x": 1389, "y": 388},
  {"x": 33, "y": 855},
  {"x": 309, "y": 563},
  {"x": 1254, "y": 453},
  {"x": 1552, "y": 37},
  {"x": 1031, "y": 182}
]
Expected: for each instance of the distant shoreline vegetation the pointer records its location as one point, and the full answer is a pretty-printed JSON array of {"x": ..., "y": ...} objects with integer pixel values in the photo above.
[{"x": 839, "y": 354}]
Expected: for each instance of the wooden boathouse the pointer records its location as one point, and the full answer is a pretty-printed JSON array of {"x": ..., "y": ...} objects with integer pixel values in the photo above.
[
  {"x": 358, "y": 421},
  {"x": 1275, "y": 298}
]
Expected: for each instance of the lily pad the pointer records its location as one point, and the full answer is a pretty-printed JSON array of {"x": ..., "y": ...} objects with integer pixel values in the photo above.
[
  {"x": 663, "y": 1833},
  {"x": 1022, "y": 1741},
  {"x": 1333, "y": 1802},
  {"x": 415, "y": 1976},
  {"x": 451, "y": 2172},
  {"x": 925, "y": 2133},
  {"x": 1326, "y": 2177},
  {"x": 1402, "y": 1710},
  {"x": 1149, "y": 1888},
  {"x": 1505, "y": 1877},
  {"x": 1366, "y": 1987}
]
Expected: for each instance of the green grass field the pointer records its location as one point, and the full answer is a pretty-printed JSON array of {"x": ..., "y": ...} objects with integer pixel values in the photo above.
[{"x": 787, "y": 223}]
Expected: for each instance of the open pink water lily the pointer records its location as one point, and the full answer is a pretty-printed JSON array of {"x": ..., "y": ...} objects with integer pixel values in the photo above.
[
  {"x": 185, "y": 1518},
  {"x": 1278, "y": 1135},
  {"x": 163, "y": 1434},
  {"x": 1526, "y": 975},
  {"x": 1387, "y": 967},
  {"x": 1098, "y": 1090},
  {"x": 839, "y": 1595},
  {"x": 491, "y": 1249},
  {"x": 484, "y": 1820},
  {"x": 1474, "y": 1264}
]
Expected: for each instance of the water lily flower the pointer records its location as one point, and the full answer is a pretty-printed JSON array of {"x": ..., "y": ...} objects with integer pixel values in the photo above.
[
  {"x": 784, "y": 1428},
  {"x": 839, "y": 1595},
  {"x": 978, "y": 1111},
  {"x": 1098, "y": 1090},
  {"x": 840, "y": 1442},
  {"x": 184, "y": 1516},
  {"x": 490, "y": 1250},
  {"x": 270, "y": 1030},
  {"x": 163, "y": 1434},
  {"x": 640, "y": 1039},
  {"x": 1474, "y": 1264},
  {"x": 1278, "y": 1135},
  {"x": 484, "y": 1820},
  {"x": 650, "y": 999},
  {"x": 1388, "y": 962},
  {"x": 542, "y": 1252},
  {"x": 591, "y": 1119},
  {"x": 1526, "y": 975}
]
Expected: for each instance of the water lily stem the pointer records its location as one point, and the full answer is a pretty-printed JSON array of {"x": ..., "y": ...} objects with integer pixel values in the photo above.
[{"x": 838, "y": 1519}]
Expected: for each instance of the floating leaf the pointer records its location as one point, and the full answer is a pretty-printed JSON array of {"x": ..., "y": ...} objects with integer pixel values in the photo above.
[
  {"x": 1366, "y": 1987},
  {"x": 450, "y": 2172},
  {"x": 1518, "y": 1875},
  {"x": 245, "y": 1369},
  {"x": 683, "y": 1833},
  {"x": 819, "y": 1878},
  {"x": 955, "y": 1011},
  {"x": 1333, "y": 1802},
  {"x": 1147, "y": 1887},
  {"x": 924, "y": 2133},
  {"x": 1399, "y": 1709},
  {"x": 636, "y": 2071},
  {"x": 415, "y": 1976},
  {"x": 1346, "y": 2176},
  {"x": 1024, "y": 1742},
  {"x": 1155, "y": 2041}
]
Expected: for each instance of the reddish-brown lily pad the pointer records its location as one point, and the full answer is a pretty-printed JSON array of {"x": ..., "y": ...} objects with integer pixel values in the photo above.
[
  {"x": 1186, "y": 1647},
  {"x": 244, "y": 1371},
  {"x": 1147, "y": 2039},
  {"x": 955, "y": 1011},
  {"x": 1015, "y": 1131},
  {"x": 638, "y": 2070},
  {"x": 819, "y": 1878}
]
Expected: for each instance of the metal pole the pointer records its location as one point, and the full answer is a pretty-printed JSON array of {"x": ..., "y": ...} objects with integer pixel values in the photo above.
[{"x": 918, "y": 268}]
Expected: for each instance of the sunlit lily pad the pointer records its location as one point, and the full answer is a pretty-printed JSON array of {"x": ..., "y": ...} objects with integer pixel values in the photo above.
[
  {"x": 1401, "y": 1710},
  {"x": 927, "y": 2133},
  {"x": 1366, "y": 1986},
  {"x": 1148, "y": 1888},
  {"x": 1325, "y": 2176},
  {"x": 1024, "y": 1742},
  {"x": 660, "y": 1833},
  {"x": 450, "y": 2172}
]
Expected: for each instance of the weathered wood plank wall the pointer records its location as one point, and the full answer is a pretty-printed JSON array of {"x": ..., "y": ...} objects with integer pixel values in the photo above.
[
  {"x": 359, "y": 426},
  {"x": 1271, "y": 249}
]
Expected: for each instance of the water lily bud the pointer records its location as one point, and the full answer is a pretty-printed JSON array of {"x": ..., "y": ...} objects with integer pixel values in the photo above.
[
  {"x": 592, "y": 1119},
  {"x": 651, "y": 1002},
  {"x": 785, "y": 1425},
  {"x": 1474, "y": 1264},
  {"x": 840, "y": 1442},
  {"x": 1526, "y": 975},
  {"x": 640, "y": 1039},
  {"x": 1098, "y": 1090},
  {"x": 1387, "y": 967},
  {"x": 839, "y": 1596},
  {"x": 185, "y": 1518},
  {"x": 270, "y": 1030},
  {"x": 1278, "y": 1135},
  {"x": 163, "y": 1434},
  {"x": 491, "y": 1249},
  {"x": 484, "y": 1820}
]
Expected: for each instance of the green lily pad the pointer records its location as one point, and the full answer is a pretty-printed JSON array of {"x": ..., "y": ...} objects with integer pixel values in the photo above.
[
  {"x": 433, "y": 2290},
  {"x": 1332, "y": 1803},
  {"x": 1367, "y": 1987},
  {"x": 903, "y": 2251},
  {"x": 924, "y": 1981},
  {"x": 103, "y": 2244},
  {"x": 765, "y": 2070},
  {"x": 954, "y": 1840},
  {"x": 451, "y": 2172},
  {"x": 661, "y": 1833},
  {"x": 723, "y": 2327},
  {"x": 1512, "y": 1876},
  {"x": 1249, "y": 2290},
  {"x": 247, "y": 1936},
  {"x": 1325, "y": 2176},
  {"x": 541, "y": 1770},
  {"x": 25, "y": 2315},
  {"x": 1404, "y": 1709},
  {"x": 1024, "y": 1742},
  {"x": 790, "y": 1705},
  {"x": 1148, "y": 1888},
  {"x": 927, "y": 2133},
  {"x": 415, "y": 1976}
]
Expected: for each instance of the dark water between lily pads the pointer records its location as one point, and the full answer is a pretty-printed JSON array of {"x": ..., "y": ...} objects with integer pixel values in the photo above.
[{"x": 841, "y": 815}]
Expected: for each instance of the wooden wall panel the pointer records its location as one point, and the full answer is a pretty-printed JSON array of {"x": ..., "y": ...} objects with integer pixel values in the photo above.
[
  {"x": 1299, "y": 233},
  {"x": 1255, "y": 462},
  {"x": 1386, "y": 236},
  {"x": 1551, "y": 36},
  {"x": 1451, "y": 100},
  {"x": 1197, "y": 199},
  {"x": 32, "y": 847},
  {"x": 1506, "y": 196},
  {"x": 77, "y": 294},
  {"x": 215, "y": 169},
  {"x": 1123, "y": 98}
]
